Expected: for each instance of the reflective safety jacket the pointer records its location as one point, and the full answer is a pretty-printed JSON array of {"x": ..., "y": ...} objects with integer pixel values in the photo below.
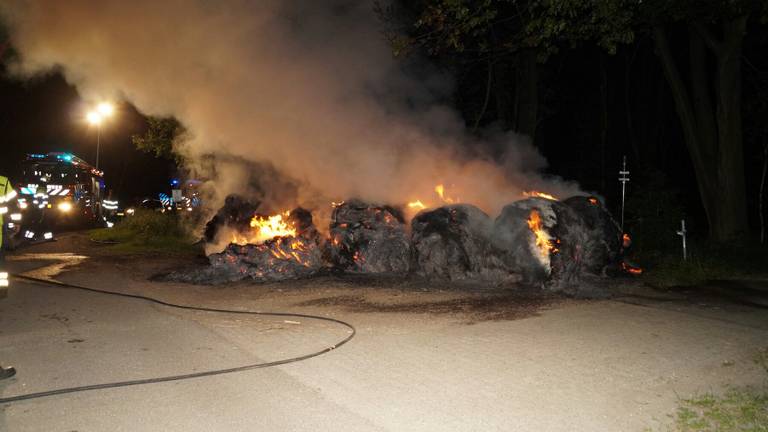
[
  {"x": 41, "y": 197},
  {"x": 7, "y": 195}
]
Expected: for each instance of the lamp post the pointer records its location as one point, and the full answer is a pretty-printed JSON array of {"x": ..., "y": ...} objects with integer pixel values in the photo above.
[{"x": 96, "y": 117}]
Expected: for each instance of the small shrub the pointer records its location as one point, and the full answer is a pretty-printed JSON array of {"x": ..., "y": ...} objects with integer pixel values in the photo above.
[{"x": 148, "y": 231}]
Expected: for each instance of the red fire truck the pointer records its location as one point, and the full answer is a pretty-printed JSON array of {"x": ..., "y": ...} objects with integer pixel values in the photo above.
[{"x": 66, "y": 187}]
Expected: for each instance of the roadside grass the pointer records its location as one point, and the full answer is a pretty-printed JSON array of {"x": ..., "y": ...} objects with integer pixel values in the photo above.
[
  {"x": 739, "y": 409},
  {"x": 148, "y": 232},
  {"x": 706, "y": 262}
]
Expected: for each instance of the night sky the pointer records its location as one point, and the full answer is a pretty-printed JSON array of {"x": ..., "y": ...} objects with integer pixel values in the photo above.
[{"x": 46, "y": 114}]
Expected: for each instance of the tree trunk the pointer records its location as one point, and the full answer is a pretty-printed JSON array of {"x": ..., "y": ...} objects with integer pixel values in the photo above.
[
  {"x": 603, "y": 120},
  {"x": 712, "y": 131},
  {"x": 488, "y": 83},
  {"x": 526, "y": 94},
  {"x": 761, "y": 194}
]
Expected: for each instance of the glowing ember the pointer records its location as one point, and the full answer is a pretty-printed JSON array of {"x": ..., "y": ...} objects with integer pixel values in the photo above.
[
  {"x": 416, "y": 205},
  {"x": 543, "y": 240},
  {"x": 532, "y": 194},
  {"x": 593, "y": 200},
  {"x": 629, "y": 268},
  {"x": 440, "y": 189}
]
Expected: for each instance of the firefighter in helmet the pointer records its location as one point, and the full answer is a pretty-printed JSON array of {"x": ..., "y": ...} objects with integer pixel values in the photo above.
[
  {"x": 7, "y": 195},
  {"x": 38, "y": 221}
]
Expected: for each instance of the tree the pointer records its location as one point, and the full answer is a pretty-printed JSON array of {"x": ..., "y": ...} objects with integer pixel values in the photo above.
[
  {"x": 507, "y": 36},
  {"x": 483, "y": 32},
  {"x": 162, "y": 134},
  {"x": 709, "y": 102},
  {"x": 706, "y": 93}
]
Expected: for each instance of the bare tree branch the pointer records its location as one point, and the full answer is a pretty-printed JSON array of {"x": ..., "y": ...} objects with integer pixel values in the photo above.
[{"x": 710, "y": 39}]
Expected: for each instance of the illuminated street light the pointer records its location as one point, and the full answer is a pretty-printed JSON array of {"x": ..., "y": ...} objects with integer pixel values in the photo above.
[
  {"x": 106, "y": 109},
  {"x": 96, "y": 117}
]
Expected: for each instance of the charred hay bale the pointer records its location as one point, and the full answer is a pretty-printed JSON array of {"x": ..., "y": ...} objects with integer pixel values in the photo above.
[
  {"x": 236, "y": 214},
  {"x": 281, "y": 258},
  {"x": 367, "y": 238},
  {"x": 453, "y": 242},
  {"x": 544, "y": 240},
  {"x": 603, "y": 231}
]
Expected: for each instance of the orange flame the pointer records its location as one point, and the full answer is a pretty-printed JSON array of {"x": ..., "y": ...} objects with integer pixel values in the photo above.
[
  {"x": 440, "y": 189},
  {"x": 626, "y": 240},
  {"x": 533, "y": 194},
  {"x": 416, "y": 205},
  {"x": 593, "y": 200},
  {"x": 267, "y": 228},
  {"x": 543, "y": 240}
]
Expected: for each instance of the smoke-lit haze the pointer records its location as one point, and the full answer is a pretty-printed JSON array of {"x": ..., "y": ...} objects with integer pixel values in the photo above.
[{"x": 308, "y": 86}]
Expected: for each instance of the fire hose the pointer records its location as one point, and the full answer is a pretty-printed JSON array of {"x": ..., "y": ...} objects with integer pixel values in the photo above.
[{"x": 208, "y": 373}]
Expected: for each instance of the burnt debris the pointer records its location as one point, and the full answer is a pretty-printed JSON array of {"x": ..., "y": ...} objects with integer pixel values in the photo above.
[
  {"x": 542, "y": 242},
  {"x": 605, "y": 249},
  {"x": 236, "y": 214},
  {"x": 280, "y": 258},
  {"x": 367, "y": 238},
  {"x": 549, "y": 243},
  {"x": 453, "y": 242}
]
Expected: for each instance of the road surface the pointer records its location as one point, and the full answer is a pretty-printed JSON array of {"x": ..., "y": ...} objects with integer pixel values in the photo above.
[{"x": 434, "y": 360}]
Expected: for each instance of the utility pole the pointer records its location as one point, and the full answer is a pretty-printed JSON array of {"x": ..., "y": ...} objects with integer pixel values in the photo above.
[
  {"x": 623, "y": 178},
  {"x": 98, "y": 143}
]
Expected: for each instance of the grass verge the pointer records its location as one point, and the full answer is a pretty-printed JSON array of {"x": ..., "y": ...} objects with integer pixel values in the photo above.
[
  {"x": 148, "y": 232},
  {"x": 738, "y": 410},
  {"x": 706, "y": 262}
]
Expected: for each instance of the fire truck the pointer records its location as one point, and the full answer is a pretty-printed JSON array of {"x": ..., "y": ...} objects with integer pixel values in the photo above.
[{"x": 69, "y": 189}]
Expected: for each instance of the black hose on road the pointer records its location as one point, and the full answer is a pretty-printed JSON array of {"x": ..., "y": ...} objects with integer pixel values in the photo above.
[{"x": 37, "y": 395}]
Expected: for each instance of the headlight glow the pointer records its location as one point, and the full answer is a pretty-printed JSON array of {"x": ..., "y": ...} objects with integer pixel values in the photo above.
[{"x": 65, "y": 206}]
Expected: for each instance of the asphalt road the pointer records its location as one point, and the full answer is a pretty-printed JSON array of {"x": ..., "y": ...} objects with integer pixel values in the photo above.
[{"x": 583, "y": 366}]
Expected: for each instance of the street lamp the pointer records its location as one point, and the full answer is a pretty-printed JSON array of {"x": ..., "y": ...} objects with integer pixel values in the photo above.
[{"x": 96, "y": 117}]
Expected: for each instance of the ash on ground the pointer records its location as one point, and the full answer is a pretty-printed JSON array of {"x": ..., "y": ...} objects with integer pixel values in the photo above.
[
  {"x": 453, "y": 243},
  {"x": 367, "y": 238}
]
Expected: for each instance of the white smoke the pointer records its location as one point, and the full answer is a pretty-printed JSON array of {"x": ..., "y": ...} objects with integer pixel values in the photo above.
[{"x": 310, "y": 87}]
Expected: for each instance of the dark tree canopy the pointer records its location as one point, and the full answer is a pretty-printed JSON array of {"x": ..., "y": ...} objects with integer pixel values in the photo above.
[
  {"x": 698, "y": 43},
  {"x": 161, "y": 136}
]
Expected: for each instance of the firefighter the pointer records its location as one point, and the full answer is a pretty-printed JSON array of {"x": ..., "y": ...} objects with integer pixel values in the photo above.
[
  {"x": 39, "y": 224},
  {"x": 7, "y": 195}
]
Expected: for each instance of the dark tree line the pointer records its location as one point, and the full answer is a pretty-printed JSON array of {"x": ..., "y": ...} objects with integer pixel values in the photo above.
[{"x": 644, "y": 64}]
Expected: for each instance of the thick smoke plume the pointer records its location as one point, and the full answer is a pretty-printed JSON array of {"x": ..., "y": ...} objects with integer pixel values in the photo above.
[{"x": 308, "y": 89}]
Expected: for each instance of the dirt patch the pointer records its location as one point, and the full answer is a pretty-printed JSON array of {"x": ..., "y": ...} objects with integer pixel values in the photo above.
[{"x": 476, "y": 308}]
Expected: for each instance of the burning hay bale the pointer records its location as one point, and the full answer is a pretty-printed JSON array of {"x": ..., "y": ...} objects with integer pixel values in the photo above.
[
  {"x": 453, "y": 242},
  {"x": 236, "y": 215},
  {"x": 605, "y": 237},
  {"x": 273, "y": 248},
  {"x": 366, "y": 238},
  {"x": 544, "y": 240}
]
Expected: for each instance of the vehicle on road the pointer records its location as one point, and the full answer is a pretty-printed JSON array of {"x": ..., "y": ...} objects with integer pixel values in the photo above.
[{"x": 68, "y": 189}]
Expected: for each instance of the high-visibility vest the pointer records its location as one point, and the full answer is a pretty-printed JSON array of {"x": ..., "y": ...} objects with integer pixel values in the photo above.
[{"x": 7, "y": 194}]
